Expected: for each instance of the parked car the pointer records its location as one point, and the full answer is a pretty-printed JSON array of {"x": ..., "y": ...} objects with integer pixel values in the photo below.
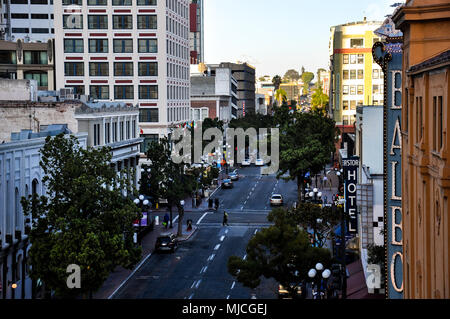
[
  {"x": 227, "y": 183},
  {"x": 283, "y": 293},
  {"x": 276, "y": 200},
  {"x": 246, "y": 162},
  {"x": 166, "y": 241},
  {"x": 259, "y": 162},
  {"x": 234, "y": 176}
]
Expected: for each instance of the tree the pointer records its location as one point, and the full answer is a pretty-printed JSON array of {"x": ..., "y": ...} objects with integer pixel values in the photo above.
[
  {"x": 318, "y": 76},
  {"x": 319, "y": 101},
  {"x": 307, "y": 77},
  {"x": 276, "y": 82},
  {"x": 282, "y": 252},
  {"x": 168, "y": 179},
  {"x": 321, "y": 220},
  {"x": 307, "y": 141},
  {"x": 84, "y": 219},
  {"x": 281, "y": 96},
  {"x": 291, "y": 75}
]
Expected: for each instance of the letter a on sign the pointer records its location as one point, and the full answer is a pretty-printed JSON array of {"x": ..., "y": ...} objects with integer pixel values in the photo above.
[{"x": 74, "y": 279}]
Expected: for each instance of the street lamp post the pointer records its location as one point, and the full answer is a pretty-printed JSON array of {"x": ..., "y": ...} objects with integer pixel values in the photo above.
[
  {"x": 312, "y": 274},
  {"x": 141, "y": 202}
]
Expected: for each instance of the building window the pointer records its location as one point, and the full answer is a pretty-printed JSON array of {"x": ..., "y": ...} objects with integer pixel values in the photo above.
[
  {"x": 133, "y": 129},
  {"x": 121, "y": 3},
  {"x": 148, "y": 46},
  {"x": 148, "y": 68},
  {"x": 344, "y": 105},
  {"x": 345, "y": 120},
  {"x": 77, "y": 89},
  {"x": 148, "y": 139},
  {"x": 107, "y": 133},
  {"x": 98, "y": 68},
  {"x": 353, "y": 58},
  {"x": 123, "y": 68},
  {"x": 148, "y": 92},
  {"x": 148, "y": 115},
  {"x": 356, "y": 43},
  {"x": 360, "y": 74},
  {"x": 345, "y": 75},
  {"x": 124, "y": 92},
  {"x": 147, "y": 22},
  {"x": 72, "y": 2},
  {"x": 122, "y": 21},
  {"x": 353, "y": 105},
  {"x": 35, "y": 57},
  {"x": 353, "y": 90},
  {"x": 146, "y": 2},
  {"x": 74, "y": 68},
  {"x": 377, "y": 89},
  {"x": 98, "y": 45},
  {"x": 360, "y": 58},
  {"x": 345, "y": 89},
  {"x": 376, "y": 74},
  {"x": 97, "y": 2},
  {"x": 72, "y": 21},
  {"x": 352, "y": 74},
  {"x": 97, "y": 22},
  {"x": 123, "y": 46},
  {"x": 440, "y": 123},
  {"x": 99, "y": 92},
  {"x": 96, "y": 134},
  {"x": 73, "y": 46},
  {"x": 114, "y": 132},
  {"x": 360, "y": 90},
  {"x": 40, "y": 76},
  {"x": 121, "y": 131},
  {"x": 8, "y": 57}
]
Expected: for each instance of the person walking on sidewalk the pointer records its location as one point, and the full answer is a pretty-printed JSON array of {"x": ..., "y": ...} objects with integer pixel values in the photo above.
[
  {"x": 166, "y": 220},
  {"x": 225, "y": 218}
]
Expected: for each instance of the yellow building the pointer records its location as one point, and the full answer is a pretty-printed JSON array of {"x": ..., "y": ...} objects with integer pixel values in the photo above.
[{"x": 355, "y": 78}]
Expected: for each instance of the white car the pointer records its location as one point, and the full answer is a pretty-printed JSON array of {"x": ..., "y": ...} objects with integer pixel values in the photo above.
[
  {"x": 276, "y": 199},
  {"x": 259, "y": 162},
  {"x": 246, "y": 162}
]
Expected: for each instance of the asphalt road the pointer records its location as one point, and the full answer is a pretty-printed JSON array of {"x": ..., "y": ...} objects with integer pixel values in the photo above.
[{"x": 198, "y": 268}]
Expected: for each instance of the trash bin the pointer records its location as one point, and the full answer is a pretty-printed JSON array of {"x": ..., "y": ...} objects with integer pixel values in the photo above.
[{"x": 210, "y": 203}]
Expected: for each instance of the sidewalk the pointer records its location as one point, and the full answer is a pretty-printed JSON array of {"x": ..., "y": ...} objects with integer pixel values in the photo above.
[{"x": 120, "y": 275}]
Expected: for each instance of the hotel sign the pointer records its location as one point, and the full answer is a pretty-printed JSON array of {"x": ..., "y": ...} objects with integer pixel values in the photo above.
[{"x": 351, "y": 166}]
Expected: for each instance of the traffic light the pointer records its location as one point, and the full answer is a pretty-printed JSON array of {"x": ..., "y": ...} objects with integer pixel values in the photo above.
[{"x": 336, "y": 273}]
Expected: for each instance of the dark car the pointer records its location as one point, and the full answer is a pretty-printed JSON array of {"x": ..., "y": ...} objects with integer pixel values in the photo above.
[
  {"x": 233, "y": 176},
  {"x": 227, "y": 183},
  {"x": 166, "y": 241}
]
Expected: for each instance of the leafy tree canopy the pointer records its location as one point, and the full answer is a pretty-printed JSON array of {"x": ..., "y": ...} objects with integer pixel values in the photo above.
[
  {"x": 84, "y": 218},
  {"x": 282, "y": 252},
  {"x": 291, "y": 75}
]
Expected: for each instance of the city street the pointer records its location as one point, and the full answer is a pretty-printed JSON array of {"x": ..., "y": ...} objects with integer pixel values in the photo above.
[{"x": 198, "y": 268}]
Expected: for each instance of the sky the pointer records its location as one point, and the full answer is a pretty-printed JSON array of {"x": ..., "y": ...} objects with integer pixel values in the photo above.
[{"x": 277, "y": 35}]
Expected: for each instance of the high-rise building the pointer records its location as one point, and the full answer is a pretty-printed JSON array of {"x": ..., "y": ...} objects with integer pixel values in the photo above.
[
  {"x": 29, "y": 20},
  {"x": 355, "y": 79},
  {"x": 425, "y": 140},
  {"x": 246, "y": 82},
  {"x": 135, "y": 52},
  {"x": 197, "y": 34}
]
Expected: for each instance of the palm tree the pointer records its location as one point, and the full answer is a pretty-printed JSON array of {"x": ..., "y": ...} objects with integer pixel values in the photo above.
[
  {"x": 319, "y": 100},
  {"x": 276, "y": 82},
  {"x": 281, "y": 96}
]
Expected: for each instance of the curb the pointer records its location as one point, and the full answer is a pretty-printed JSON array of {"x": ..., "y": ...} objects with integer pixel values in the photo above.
[{"x": 194, "y": 229}]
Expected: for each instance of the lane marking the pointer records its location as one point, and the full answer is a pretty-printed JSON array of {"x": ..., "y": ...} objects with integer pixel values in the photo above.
[
  {"x": 190, "y": 297},
  {"x": 193, "y": 284},
  {"x": 202, "y": 269},
  {"x": 198, "y": 283},
  {"x": 203, "y": 216},
  {"x": 222, "y": 238},
  {"x": 173, "y": 220},
  {"x": 217, "y": 247},
  {"x": 211, "y": 257},
  {"x": 226, "y": 231},
  {"x": 245, "y": 257},
  {"x": 228, "y": 297},
  {"x": 256, "y": 230},
  {"x": 232, "y": 286},
  {"x": 134, "y": 271}
]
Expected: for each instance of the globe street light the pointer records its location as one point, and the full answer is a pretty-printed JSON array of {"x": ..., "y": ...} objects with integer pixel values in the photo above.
[{"x": 325, "y": 275}]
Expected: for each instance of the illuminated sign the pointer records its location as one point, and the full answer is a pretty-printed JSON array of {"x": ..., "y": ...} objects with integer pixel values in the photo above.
[{"x": 351, "y": 166}]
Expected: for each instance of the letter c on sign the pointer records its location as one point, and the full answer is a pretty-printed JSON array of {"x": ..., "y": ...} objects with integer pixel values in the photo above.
[{"x": 394, "y": 283}]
